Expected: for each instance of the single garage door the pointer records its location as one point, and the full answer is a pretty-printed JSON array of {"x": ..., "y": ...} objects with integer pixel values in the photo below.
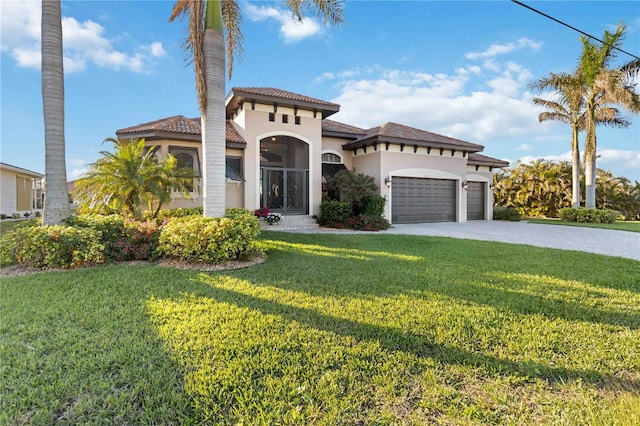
[
  {"x": 475, "y": 200},
  {"x": 416, "y": 200}
]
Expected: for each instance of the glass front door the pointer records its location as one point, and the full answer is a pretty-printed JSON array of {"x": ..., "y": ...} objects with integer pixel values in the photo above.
[{"x": 284, "y": 190}]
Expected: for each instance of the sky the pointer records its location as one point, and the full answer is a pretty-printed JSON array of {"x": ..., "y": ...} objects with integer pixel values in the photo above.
[{"x": 457, "y": 68}]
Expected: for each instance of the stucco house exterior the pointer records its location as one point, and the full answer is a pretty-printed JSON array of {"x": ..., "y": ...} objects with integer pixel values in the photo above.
[
  {"x": 21, "y": 190},
  {"x": 281, "y": 147}
]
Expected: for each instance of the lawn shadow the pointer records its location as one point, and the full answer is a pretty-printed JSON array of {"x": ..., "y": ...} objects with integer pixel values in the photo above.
[
  {"x": 393, "y": 340},
  {"x": 426, "y": 265}
]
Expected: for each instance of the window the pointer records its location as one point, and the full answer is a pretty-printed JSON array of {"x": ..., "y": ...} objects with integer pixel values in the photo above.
[
  {"x": 285, "y": 118},
  {"x": 298, "y": 120},
  {"x": 23, "y": 193},
  {"x": 272, "y": 116},
  {"x": 329, "y": 157},
  {"x": 187, "y": 158},
  {"x": 234, "y": 169}
]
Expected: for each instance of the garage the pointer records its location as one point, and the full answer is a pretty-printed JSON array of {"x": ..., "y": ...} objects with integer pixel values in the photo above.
[
  {"x": 475, "y": 201},
  {"x": 416, "y": 200}
]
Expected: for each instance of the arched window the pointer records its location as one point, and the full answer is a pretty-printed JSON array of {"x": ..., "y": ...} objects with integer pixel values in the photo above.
[{"x": 330, "y": 157}]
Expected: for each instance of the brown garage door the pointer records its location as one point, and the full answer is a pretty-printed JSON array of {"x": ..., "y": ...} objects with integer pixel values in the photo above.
[
  {"x": 416, "y": 200},
  {"x": 475, "y": 201}
]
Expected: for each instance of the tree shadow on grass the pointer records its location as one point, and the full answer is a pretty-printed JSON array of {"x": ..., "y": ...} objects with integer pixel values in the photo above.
[
  {"x": 356, "y": 268},
  {"x": 393, "y": 339}
]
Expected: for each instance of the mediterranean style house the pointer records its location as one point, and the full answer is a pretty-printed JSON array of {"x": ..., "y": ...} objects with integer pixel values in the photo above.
[
  {"x": 281, "y": 148},
  {"x": 21, "y": 190}
]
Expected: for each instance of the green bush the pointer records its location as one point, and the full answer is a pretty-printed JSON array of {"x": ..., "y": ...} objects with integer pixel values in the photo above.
[
  {"x": 334, "y": 211},
  {"x": 54, "y": 246},
  {"x": 506, "y": 213},
  {"x": 584, "y": 215},
  {"x": 367, "y": 223},
  {"x": 123, "y": 239},
  {"x": 373, "y": 205},
  {"x": 172, "y": 213},
  {"x": 210, "y": 240}
]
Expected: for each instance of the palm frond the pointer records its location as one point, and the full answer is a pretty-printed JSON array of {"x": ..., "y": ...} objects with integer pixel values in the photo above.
[{"x": 232, "y": 21}]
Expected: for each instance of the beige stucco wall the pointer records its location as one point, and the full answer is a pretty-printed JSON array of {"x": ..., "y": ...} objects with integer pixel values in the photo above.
[
  {"x": 394, "y": 162},
  {"x": 254, "y": 125},
  {"x": 334, "y": 146}
]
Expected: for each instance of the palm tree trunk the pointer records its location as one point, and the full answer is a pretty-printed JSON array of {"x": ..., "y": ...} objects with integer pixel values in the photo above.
[
  {"x": 575, "y": 171},
  {"x": 56, "y": 202},
  {"x": 590, "y": 159},
  {"x": 213, "y": 122}
]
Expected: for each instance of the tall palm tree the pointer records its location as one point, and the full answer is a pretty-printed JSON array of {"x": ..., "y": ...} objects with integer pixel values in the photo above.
[
  {"x": 130, "y": 179},
  {"x": 567, "y": 108},
  {"x": 210, "y": 29},
  {"x": 56, "y": 201},
  {"x": 604, "y": 87}
]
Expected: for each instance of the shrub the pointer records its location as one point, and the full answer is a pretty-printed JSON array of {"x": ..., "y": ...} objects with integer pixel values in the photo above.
[
  {"x": 506, "y": 213},
  {"x": 171, "y": 213},
  {"x": 210, "y": 240},
  {"x": 334, "y": 211},
  {"x": 55, "y": 246},
  {"x": 373, "y": 205},
  {"x": 352, "y": 187},
  {"x": 262, "y": 212},
  {"x": 584, "y": 215},
  {"x": 367, "y": 223},
  {"x": 123, "y": 239},
  {"x": 3, "y": 216}
]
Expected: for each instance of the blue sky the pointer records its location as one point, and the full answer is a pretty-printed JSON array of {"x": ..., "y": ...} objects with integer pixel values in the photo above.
[{"x": 451, "y": 67}]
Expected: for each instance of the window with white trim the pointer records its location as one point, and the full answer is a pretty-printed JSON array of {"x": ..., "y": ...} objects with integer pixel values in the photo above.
[
  {"x": 329, "y": 157},
  {"x": 187, "y": 158}
]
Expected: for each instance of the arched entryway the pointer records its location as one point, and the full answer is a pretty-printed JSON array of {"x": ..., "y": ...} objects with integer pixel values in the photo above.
[{"x": 284, "y": 175}]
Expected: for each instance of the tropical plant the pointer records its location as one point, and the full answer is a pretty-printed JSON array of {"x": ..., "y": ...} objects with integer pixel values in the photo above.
[
  {"x": 604, "y": 87},
  {"x": 56, "y": 201},
  {"x": 130, "y": 180},
  {"x": 208, "y": 31},
  {"x": 567, "y": 108}
]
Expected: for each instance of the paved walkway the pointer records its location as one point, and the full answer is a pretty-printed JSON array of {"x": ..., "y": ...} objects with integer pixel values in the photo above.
[{"x": 593, "y": 240}]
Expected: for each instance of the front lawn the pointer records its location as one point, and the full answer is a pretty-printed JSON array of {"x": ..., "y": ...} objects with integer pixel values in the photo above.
[
  {"x": 331, "y": 330},
  {"x": 633, "y": 226}
]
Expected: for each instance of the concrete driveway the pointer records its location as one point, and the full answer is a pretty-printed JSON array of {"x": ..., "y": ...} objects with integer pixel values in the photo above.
[{"x": 592, "y": 240}]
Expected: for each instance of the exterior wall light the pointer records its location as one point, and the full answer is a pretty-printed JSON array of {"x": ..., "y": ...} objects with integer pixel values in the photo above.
[
  {"x": 465, "y": 185},
  {"x": 491, "y": 186},
  {"x": 387, "y": 181}
]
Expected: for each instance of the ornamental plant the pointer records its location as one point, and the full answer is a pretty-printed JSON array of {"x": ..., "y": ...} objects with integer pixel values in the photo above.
[
  {"x": 262, "y": 212},
  {"x": 273, "y": 218}
]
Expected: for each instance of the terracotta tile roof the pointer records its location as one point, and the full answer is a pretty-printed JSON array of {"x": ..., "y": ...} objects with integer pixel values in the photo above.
[
  {"x": 177, "y": 124},
  {"x": 484, "y": 160},
  {"x": 330, "y": 126},
  {"x": 398, "y": 133},
  {"x": 280, "y": 94}
]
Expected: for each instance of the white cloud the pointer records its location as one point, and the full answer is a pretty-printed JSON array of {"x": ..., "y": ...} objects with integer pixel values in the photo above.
[
  {"x": 524, "y": 147},
  {"x": 291, "y": 30},
  {"x": 77, "y": 173},
  {"x": 501, "y": 49},
  {"x": 84, "y": 42},
  {"x": 620, "y": 162}
]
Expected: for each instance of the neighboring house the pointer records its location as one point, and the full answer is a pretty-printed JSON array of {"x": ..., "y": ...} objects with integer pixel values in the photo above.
[
  {"x": 281, "y": 148},
  {"x": 21, "y": 190}
]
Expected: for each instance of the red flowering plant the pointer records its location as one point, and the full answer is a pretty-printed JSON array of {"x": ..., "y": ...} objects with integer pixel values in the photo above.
[{"x": 262, "y": 212}]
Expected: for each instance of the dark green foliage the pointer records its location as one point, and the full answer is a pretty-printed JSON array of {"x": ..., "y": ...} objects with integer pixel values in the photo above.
[
  {"x": 506, "y": 213},
  {"x": 373, "y": 205},
  {"x": 367, "y": 223},
  {"x": 53, "y": 246},
  {"x": 543, "y": 188},
  {"x": 583, "y": 215},
  {"x": 170, "y": 213},
  {"x": 352, "y": 188},
  {"x": 334, "y": 211},
  {"x": 210, "y": 240}
]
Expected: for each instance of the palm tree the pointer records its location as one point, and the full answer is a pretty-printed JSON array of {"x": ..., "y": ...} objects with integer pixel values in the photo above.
[
  {"x": 604, "y": 87},
  {"x": 131, "y": 179},
  {"x": 568, "y": 108},
  {"x": 56, "y": 202},
  {"x": 206, "y": 43}
]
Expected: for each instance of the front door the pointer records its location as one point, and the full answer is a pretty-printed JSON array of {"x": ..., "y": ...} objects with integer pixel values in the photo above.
[{"x": 284, "y": 190}]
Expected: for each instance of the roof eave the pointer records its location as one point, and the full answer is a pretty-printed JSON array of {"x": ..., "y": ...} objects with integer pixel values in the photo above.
[
  {"x": 237, "y": 98},
  {"x": 411, "y": 142}
]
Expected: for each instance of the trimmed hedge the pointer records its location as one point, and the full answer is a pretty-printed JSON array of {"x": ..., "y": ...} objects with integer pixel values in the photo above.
[
  {"x": 584, "y": 215},
  {"x": 210, "y": 240},
  {"x": 54, "y": 246},
  {"x": 334, "y": 211},
  {"x": 506, "y": 213}
]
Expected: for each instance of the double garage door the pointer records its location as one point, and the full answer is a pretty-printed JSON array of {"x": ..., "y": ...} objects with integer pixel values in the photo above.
[{"x": 418, "y": 200}]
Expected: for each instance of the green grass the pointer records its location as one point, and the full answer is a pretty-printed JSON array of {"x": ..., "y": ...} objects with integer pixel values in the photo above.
[
  {"x": 632, "y": 226},
  {"x": 331, "y": 330}
]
